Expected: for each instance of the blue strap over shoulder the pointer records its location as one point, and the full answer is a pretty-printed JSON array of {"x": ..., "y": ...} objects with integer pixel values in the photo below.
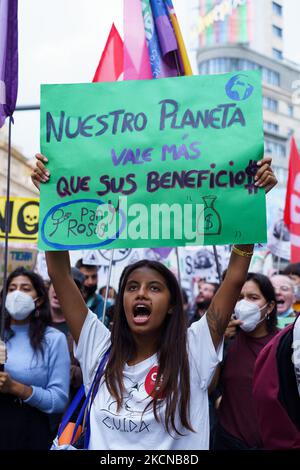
[
  {"x": 87, "y": 402},
  {"x": 72, "y": 407}
]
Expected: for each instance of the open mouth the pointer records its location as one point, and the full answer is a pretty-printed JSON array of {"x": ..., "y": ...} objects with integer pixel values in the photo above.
[
  {"x": 141, "y": 313},
  {"x": 280, "y": 302}
]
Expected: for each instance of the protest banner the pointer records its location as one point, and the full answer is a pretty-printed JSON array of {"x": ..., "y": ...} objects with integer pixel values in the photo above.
[
  {"x": 23, "y": 217},
  {"x": 167, "y": 162},
  {"x": 17, "y": 257}
]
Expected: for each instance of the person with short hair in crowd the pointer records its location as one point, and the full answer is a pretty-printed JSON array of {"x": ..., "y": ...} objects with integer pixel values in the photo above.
[
  {"x": 35, "y": 380},
  {"x": 207, "y": 290},
  {"x": 93, "y": 300},
  {"x": 292, "y": 270},
  {"x": 285, "y": 298}
]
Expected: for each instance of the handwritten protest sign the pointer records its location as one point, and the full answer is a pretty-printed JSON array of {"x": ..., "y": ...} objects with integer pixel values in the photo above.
[
  {"x": 23, "y": 219},
  {"x": 16, "y": 258},
  {"x": 155, "y": 163}
]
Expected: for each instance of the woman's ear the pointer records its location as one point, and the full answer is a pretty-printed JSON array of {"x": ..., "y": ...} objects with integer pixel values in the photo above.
[
  {"x": 270, "y": 307},
  {"x": 170, "y": 310},
  {"x": 39, "y": 301}
]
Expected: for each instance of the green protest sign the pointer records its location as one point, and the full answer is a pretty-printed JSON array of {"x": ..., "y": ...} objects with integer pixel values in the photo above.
[{"x": 167, "y": 162}]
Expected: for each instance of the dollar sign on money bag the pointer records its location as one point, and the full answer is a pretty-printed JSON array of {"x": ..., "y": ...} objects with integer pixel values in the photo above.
[{"x": 209, "y": 221}]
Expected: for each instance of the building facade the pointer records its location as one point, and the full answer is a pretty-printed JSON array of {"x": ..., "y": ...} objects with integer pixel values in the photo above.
[
  {"x": 247, "y": 35},
  {"x": 20, "y": 170}
]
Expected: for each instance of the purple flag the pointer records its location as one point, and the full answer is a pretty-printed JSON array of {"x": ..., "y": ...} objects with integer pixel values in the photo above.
[
  {"x": 166, "y": 36},
  {"x": 160, "y": 67},
  {"x": 8, "y": 58}
]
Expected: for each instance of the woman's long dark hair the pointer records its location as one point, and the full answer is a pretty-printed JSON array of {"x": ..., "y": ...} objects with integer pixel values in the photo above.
[
  {"x": 266, "y": 288},
  {"x": 40, "y": 318},
  {"x": 173, "y": 376}
]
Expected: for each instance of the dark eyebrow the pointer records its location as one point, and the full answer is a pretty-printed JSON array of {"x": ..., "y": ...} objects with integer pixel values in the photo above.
[
  {"x": 22, "y": 284},
  {"x": 131, "y": 281},
  {"x": 156, "y": 282}
]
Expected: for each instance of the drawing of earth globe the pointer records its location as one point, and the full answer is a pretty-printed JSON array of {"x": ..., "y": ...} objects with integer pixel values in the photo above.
[{"x": 238, "y": 88}]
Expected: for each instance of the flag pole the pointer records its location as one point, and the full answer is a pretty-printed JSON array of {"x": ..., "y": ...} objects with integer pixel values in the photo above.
[
  {"x": 6, "y": 229},
  {"x": 107, "y": 284},
  {"x": 178, "y": 265},
  {"x": 218, "y": 264}
]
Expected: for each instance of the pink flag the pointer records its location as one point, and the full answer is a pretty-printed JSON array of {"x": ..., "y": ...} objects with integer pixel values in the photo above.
[
  {"x": 292, "y": 202},
  {"x": 136, "y": 57},
  {"x": 111, "y": 64}
]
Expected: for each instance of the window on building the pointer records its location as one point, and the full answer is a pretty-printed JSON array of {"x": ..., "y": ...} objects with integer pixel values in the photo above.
[
  {"x": 277, "y": 9},
  {"x": 231, "y": 64},
  {"x": 290, "y": 110},
  {"x": 271, "y": 127},
  {"x": 277, "y": 54},
  {"x": 281, "y": 174},
  {"x": 277, "y": 31},
  {"x": 270, "y": 103},
  {"x": 275, "y": 148}
]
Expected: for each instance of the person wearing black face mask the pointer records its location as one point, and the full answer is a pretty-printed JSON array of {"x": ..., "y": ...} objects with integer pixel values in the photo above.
[{"x": 93, "y": 300}]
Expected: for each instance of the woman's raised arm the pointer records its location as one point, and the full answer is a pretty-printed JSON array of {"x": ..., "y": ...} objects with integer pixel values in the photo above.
[
  {"x": 67, "y": 292},
  {"x": 223, "y": 303}
]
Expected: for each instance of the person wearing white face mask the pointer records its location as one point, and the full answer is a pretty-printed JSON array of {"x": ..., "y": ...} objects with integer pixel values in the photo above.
[
  {"x": 35, "y": 379},
  {"x": 255, "y": 324}
]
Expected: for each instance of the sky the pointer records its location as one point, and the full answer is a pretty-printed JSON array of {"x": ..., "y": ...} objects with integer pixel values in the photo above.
[{"x": 60, "y": 41}]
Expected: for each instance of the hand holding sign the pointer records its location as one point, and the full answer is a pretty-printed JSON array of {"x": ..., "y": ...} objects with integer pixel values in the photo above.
[
  {"x": 40, "y": 174},
  {"x": 265, "y": 177}
]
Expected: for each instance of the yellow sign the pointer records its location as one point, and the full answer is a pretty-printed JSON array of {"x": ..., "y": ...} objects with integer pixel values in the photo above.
[{"x": 23, "y": 219}]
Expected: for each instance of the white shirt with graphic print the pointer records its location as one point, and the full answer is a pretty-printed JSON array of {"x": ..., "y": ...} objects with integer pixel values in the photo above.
[{"x": 132, "y": 428}]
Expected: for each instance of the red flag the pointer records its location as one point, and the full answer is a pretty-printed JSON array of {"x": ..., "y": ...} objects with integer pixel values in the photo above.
[
  {"x": 292, "y": 202},
  {"x": 111, "y": 65}
]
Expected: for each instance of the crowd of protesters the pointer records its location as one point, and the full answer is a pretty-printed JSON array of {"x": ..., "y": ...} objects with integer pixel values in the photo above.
[{"x": 41, "y": 374}]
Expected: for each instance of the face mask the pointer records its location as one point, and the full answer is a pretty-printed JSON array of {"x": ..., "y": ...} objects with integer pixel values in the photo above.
[
  {"x": 19, "y": 304},
  {"x": 249, "y": 314},
  {"x": 110, "y": 302}
]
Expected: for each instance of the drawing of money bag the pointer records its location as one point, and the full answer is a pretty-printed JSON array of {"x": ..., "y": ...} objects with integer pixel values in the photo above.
[{"x": 209, "y": 221}]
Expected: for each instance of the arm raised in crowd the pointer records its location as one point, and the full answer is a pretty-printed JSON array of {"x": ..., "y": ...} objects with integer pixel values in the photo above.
[
  {"x": 59, "y": 269},
  {"x": 67, "y": 292},
  {"x": 223, "y": 303}
]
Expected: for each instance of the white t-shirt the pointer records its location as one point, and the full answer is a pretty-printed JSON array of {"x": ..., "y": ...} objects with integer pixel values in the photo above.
[
  {"x": 296, "y": 355},
  {"x": 131, "y": 428}
]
